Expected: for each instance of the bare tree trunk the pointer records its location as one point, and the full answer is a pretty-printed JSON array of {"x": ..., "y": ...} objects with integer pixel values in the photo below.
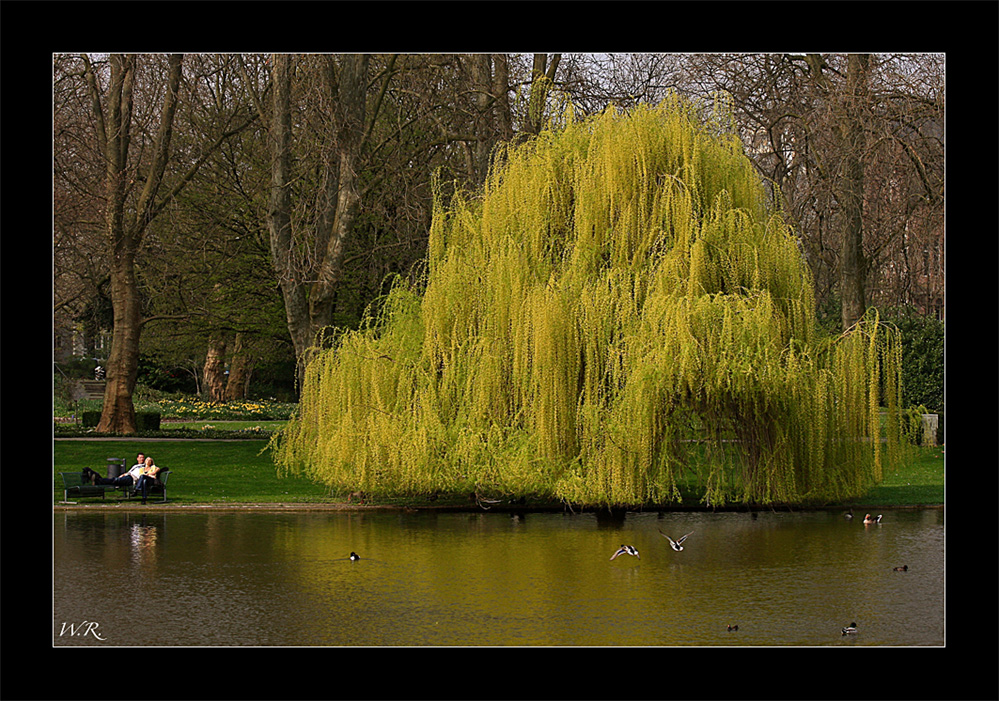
[
  {"x": 240, "y": 368},
  {"x": 853, "y": 266},
  {"x": 493, "y": 123},
  {"x": 279, "y": 212},
  {"x": 118, "y": 412},
  {"x": 351, "y": 90},
  {"x": 848, "y": 111},
  {"x": 501, "y": 96},
  {"x": 543, "y": 77},
  {"x": 482, "y": 85},
  {"x": 214, "y": 370}
]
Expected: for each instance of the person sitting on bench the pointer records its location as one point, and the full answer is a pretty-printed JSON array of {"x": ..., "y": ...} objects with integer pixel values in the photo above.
[
  {"x": 147, "y": 478},
  {"x": 126, "y": 480}
]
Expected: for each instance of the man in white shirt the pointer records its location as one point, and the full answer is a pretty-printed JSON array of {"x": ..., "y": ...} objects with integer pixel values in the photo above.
[{"x": 129, "y": 478}]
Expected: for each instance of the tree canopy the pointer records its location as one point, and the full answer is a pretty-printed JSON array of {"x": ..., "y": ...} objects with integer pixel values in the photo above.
[{"x": 618, "y": 315}]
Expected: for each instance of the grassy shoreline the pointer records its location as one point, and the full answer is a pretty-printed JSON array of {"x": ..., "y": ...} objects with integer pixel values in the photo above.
[{"x": 240, "y": 474}]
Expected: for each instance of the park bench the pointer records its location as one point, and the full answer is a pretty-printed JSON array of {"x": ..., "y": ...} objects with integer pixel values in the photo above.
[
  {"x": 73, "y": 485},
  {"x": 160, "y": 486}
]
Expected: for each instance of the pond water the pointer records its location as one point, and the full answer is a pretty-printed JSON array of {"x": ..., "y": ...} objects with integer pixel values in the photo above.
[{"x": 491, "y": 579}]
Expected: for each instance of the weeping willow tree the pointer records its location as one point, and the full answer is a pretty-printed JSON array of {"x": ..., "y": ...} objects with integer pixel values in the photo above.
[{"x": 617, "y": 317}]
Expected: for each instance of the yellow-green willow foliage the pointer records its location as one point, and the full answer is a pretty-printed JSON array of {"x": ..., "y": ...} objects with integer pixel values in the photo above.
[{"x": 619, "y": 316}]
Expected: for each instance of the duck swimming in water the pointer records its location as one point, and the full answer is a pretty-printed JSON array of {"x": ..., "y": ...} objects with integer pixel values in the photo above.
[
  {"x": 675, "y": 544},
  {"x": 626, "y": 550},
  {"x": 903, "y": 568},
  {"x": 850, "y": 629},
  {"x": 354, "y": 557},
  {"x": 735, "y": 627},
  {"x": 868, "y": 519}
]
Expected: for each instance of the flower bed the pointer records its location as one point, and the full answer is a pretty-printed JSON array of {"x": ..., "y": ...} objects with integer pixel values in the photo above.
[
  {"x": 73, "y": 430},
  {"x": 193, "y": 409},
  {"x": 186, "y": 410}
]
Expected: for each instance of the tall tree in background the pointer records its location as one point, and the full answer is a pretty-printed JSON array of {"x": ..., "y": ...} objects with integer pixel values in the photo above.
[
  {"x": 542, "y": 80},
  {"x": 206, "y": 275},
  {"x": 307, "y": 253},
  {"x": 852, "y": 149},
  {"x": 340, "y": 130},
  {"x": 81, "y": 284},
  {"x": 141, "y": 178},
  {"x": 490, "y": 78},
  {"x": 850, "y": 106},
  {"x": 113, "y": 112}
]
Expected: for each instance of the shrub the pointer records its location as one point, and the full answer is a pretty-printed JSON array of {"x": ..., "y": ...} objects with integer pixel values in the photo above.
[
  {"x": 922, "y": 358},
  {"x": 77, "y": 368},
  {"x": 152, "y": 373},
  {"x": 144, "y": 420},
  {"x": 147, "y": 421}
]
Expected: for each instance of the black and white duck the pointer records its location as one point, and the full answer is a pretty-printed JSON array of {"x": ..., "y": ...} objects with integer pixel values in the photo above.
[
  {"x": 626, "y": 550},
  {"x": 675, "y": 544}
]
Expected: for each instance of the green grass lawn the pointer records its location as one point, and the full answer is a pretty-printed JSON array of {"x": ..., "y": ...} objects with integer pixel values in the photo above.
[
  {"x": 920, "y": 482},
  {"x": 226, "y": 472}
]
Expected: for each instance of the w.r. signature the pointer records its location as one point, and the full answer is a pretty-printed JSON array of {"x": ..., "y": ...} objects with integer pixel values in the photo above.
[{"x": 81, "y": 630}]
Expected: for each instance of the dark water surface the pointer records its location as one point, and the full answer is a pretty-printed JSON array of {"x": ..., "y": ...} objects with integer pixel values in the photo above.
[{"x": 284, "y": 579}]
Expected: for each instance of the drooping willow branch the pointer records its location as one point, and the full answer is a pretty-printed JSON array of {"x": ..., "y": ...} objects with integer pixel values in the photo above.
[{"x": 617, "y": 318}]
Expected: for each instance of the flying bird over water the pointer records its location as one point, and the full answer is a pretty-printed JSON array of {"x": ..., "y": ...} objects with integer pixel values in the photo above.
[
  {"x": 626, "y": 550},
  {"x": 675, "y": 544}
]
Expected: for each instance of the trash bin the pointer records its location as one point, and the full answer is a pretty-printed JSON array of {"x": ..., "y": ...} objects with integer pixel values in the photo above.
[
  {"x": 116, "y": 467},
  {"x": 930, "y": 426}
]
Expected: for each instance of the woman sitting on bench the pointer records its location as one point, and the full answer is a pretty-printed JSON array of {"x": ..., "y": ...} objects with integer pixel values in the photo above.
[{"x": 147, "y": 478}]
